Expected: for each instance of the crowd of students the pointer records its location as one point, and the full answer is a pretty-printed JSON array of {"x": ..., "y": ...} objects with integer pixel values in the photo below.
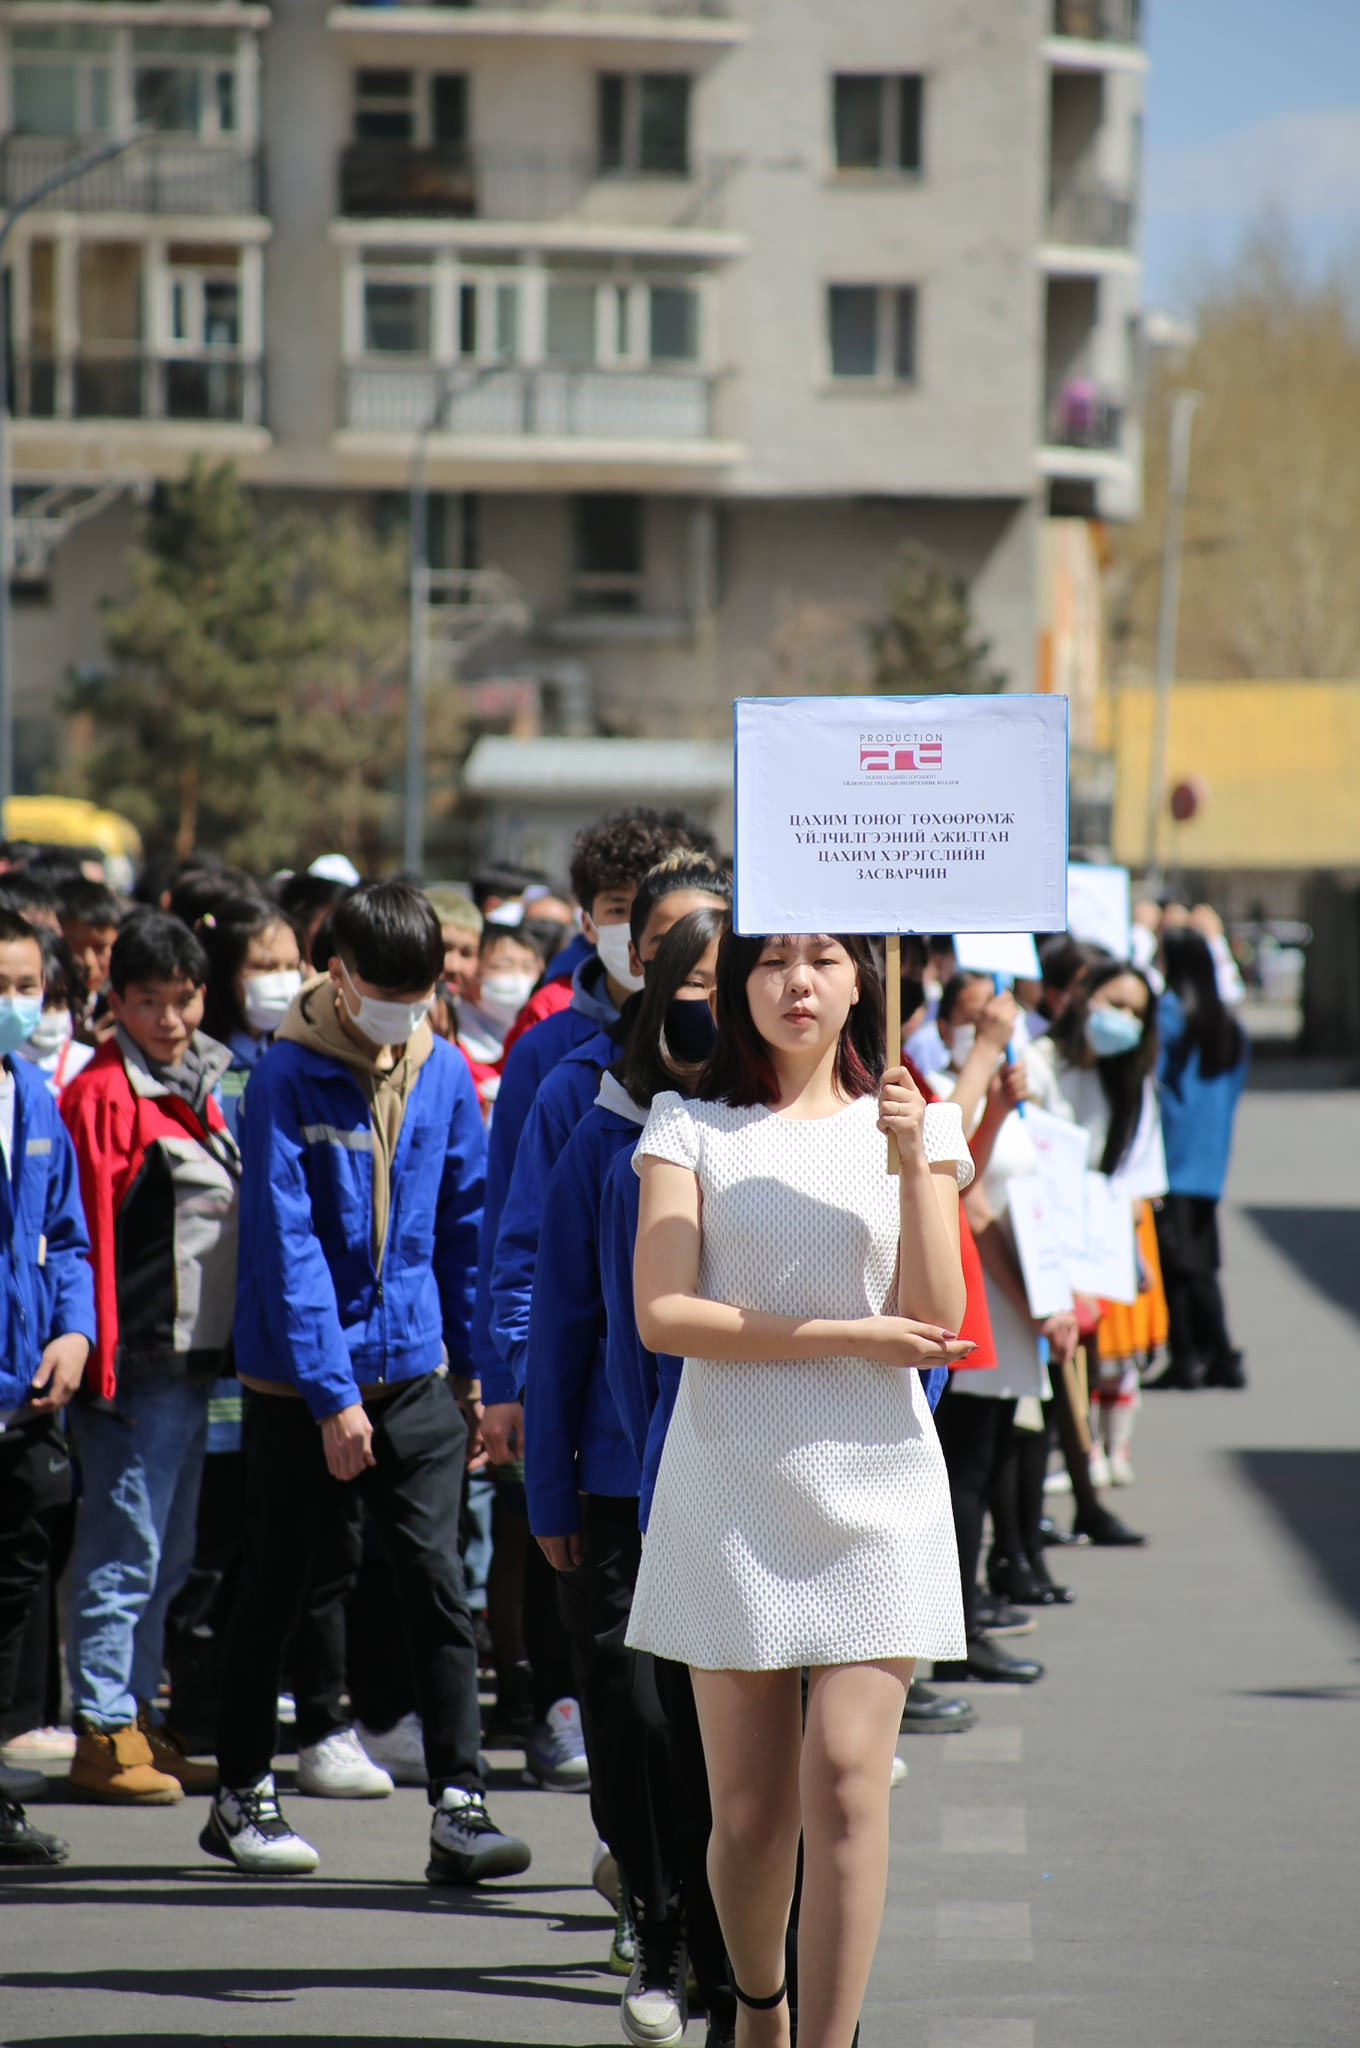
[{"x": 322, "y": 1388}]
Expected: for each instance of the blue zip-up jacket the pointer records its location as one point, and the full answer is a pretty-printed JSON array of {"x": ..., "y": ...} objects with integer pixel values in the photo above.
[
  {"x": 529, "y": 1059},
  {"x": 312, "y": 1312},
  {"x": 246, "y": 1054},
  {"x": 563, "y": 1099},
  {"x": 574, "y": 1441},
  {"x": 645, "y": 1383},
  {"x": 1197, "y": 1115},
  {"x": 46, "y": 1285}
]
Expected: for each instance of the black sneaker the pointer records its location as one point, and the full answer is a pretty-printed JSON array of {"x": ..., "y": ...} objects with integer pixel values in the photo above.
[
  {"x": 21, "y": 1842},
  {"x": 655, "y": 2006},
  {"x": 466, "y": 1845},
  {"x": 246, "y": 1827}
]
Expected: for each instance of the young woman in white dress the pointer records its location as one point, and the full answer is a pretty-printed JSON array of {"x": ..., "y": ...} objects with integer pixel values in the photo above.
[{"x": 801, "y": 1517}]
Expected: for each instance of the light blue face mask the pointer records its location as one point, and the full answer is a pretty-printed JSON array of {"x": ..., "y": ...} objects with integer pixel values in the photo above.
[
  {"x": 20, "y": 1017},
  {"x": 1111, "y": 1032}
]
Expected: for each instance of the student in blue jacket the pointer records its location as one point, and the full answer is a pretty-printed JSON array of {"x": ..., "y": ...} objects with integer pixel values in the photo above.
[
  {"x": 1201, "y": 1072},
  {"x": 609, "y": 859},
  {"x": 361, "y": 1202},
  {"x": 582, "y": 1479},
  {"x": 677, "y": 883},
  {"x": 46, "y": 1330}
]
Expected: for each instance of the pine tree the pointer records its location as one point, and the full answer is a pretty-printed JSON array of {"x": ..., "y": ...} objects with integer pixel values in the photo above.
[
  {"x": 928, "y": 643},
  {"x": 202, "y": 649}
]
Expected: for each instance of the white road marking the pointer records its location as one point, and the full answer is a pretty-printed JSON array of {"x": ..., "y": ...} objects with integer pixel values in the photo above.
[
  {"x": 971, "y": 1931},
  {"x": 985, "y": 1746},
  {"x": 983, "y": 1830}
]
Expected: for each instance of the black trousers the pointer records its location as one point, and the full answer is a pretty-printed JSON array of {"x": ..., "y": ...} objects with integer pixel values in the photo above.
[
  {"x": 545, "y": 1637},
  {"x": 1187, "y": 1243},
  {"x": 693, "y": 1825},
  {"x": 627, "y": 1740},
  {"x": 974, "y": 1433},
  {"x": 35, "y": 1487},
  {"x": 292, "y": 1505}
]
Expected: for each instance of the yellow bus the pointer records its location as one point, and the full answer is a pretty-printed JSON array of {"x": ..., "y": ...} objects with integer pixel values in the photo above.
[{"x": 73, "y": 821}]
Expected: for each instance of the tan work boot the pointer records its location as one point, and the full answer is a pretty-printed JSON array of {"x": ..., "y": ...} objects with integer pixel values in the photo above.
[
  {"x": 116, "y": 1768},
  {"x": 168, "y": 1754}
]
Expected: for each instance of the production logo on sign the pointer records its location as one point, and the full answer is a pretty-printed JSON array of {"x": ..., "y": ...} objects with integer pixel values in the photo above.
[{"x": 896, "y": 814}]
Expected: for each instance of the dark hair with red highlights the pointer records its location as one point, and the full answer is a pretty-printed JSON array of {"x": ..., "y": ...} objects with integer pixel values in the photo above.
[{"x": 741, "y": 1071}]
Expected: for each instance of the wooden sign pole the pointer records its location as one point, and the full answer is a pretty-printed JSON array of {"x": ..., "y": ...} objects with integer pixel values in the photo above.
[{"x": 893, "y": 972}]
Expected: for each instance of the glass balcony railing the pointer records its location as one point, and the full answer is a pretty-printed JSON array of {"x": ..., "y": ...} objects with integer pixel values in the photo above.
[
  {"x": 398, "y": 180},
  {"x": 154, "y": 176},
  {"x": 224, "y": 390},
  {"x": 1099, "y": 21},
  {"x": 702, "y": 10},
  {"x": 1081, "y": 415},
  {"x": 1091, "y": 216},
  {"x": 517, "y": 402}
]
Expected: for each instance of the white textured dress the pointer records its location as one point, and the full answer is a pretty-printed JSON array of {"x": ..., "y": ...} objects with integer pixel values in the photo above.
[{"x": 801, "y": 1513}]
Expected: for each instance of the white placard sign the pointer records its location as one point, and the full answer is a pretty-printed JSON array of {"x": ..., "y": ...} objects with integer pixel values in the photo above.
[
  {"x": 1098, "y": 911},
  {"x": 1013, "y": 955},
  {"x": 1043, "y": 1262},
  {"x": 901, "y": 814},
  {"x": 1107, "y": 1267},
  {"x": 1062, "y": 1150}
]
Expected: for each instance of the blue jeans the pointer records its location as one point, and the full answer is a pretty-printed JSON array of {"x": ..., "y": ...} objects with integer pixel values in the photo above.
[{"x": 141, "y": 1467}]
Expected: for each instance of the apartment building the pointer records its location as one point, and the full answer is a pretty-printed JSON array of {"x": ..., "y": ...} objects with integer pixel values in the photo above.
[{"x": 692, "y": 310}]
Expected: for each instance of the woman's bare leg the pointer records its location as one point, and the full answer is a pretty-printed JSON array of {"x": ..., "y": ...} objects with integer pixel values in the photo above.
[
  {"x": 751, "y": 1722},
  {"x": 854, "y": 1712}
]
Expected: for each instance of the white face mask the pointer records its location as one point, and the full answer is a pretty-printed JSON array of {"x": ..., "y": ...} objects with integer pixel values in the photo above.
[
  {"x": 611, "y": 943},
  {"x": 503, "y": 996},
  {"x": 384, "y": 1023},
  {"x": 965, "y": 1038},
  {"x": 266, "y": 998},
  {"x": 54, "y": 1028}
]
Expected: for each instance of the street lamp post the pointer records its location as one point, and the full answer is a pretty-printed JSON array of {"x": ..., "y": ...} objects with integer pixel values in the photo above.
[
  {"x": 1168, "y": 617},
  {"x": 90, "y": 161}
]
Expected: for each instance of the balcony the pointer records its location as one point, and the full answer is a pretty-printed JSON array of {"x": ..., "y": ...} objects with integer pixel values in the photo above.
[
  {"x": 1089, "y": 229},
  {"x": 699, "y": 25},
  {"x": 203, "y": 390},
  {"x": 543, "y": 402},
  {"x": 153, "y": 177},
  {"x": 1098, "y": 21},
  {"x": 398, "y": 181},
  {"x": 1083, "y": 432},
  {"x": 1096, "y": 35}
]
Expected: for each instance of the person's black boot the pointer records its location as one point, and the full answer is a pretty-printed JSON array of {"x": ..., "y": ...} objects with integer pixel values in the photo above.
[
  {"x": 987, "y": 1660},
  {"x": 1100, "y": 1526},
  {"x": 925, "y": 1713},
  {"x": 1182, "y": 1376},
  {"x": 22, "y": 1843},
  {"x": 1229, "y": 1371}
]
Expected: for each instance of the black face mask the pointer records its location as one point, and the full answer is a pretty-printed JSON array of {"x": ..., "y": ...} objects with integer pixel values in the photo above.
[
  {"x": 913, "y": 995},
  {"x": 690, "y": 1030}
]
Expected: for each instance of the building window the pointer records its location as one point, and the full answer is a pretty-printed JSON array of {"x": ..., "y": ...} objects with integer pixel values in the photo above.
[
  {"x": 872, "y": 333},
  {"x": 204, "y": 310},
  {"x": 643, "y": 123},
  {"x": 673, "y": 324},
  {"x": 569, "y": 335},
  {"x": 61, "y": 81},
  {"x": 184, "y": 83},
  {"x": 384, "y": 106},
  {"x": 607, "y": 551},
  {"x": 877, "y": 121},
  {"x": 396, "y": 318}
]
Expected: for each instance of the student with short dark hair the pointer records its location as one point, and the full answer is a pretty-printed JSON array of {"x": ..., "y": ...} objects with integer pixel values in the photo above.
[
  {"x": 160, "y": 1179},
  {"x": 364, "y": 1167},
  {"x": 46, "y": 1330},
  {"x": 90, "y": 916}
]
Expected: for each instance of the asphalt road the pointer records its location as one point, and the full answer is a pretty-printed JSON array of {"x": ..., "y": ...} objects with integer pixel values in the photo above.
[{"x": 1153, "y": 1848}]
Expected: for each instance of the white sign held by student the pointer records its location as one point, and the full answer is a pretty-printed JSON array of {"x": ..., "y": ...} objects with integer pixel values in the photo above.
[
  {"x": 1098, "y": 911},
  {"x": 1108, "y": 1267},
  {"x": 1062, "y": 1150},
  {"x": 901, "y": 814},
  {"x": 1043, "y": 1262}
]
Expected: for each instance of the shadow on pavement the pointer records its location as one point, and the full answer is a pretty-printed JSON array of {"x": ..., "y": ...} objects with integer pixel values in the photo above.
[
  {"x": 216, "y": 2039},
  {"x": 252, "y": 1990},
  {"x": 1316, "y": 1495},
  {"x": 1321, "y": 1244}
]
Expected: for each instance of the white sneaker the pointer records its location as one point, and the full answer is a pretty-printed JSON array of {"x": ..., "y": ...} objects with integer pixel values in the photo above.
[
  {"x": 555, "y": 1754},
  {"x": 466, "y": 1845},
  {"x": 1121, "y": 1469},
  {"x": 246, "y": 1827},
  {"x": 655, "y": 2008},
  {"x": 337, "y": 1768},
  {"x": 604, "y": 1875},
  {"x": 1058, "y": 1482},
  {"x": 400, "y": 1750},
  {"x": 1100, "y": 1469},
  {"x": 899, "y": 1773}
]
